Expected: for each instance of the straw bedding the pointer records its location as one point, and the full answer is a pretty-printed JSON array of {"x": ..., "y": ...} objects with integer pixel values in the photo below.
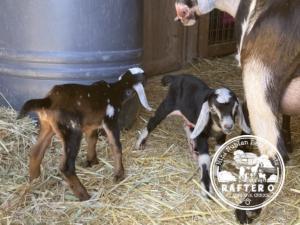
[{"x": 162, "y": 181}]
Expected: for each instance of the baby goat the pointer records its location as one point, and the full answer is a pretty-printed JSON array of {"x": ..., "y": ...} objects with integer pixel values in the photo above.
[
  {"x": 72, "y": 109},
  {"x": 207, "y": 113}
]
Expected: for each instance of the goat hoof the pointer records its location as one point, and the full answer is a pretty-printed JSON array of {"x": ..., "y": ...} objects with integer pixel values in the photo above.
[
  {"x": 141, "y": 145},
  {"x": 80, "y": 193},
  {"x": 90, "y": 163},
  {"x": 34, "y": 175},
  {"x": 83, "y": 196},
  {"x": 119, "y": 177},
  {"x": 247, "y": 216},
  {"x": 242, "y": 217}
]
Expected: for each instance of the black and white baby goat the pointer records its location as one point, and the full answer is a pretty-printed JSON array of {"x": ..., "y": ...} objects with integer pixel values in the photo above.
[
  {"x": 70, "y": 110},
  {"x": 206, "y": 113}
]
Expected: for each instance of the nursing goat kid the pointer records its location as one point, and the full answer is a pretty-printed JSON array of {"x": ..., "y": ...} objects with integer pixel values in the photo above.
[
  {"x": 69, "y": 110},
  {"x": 210, "y": 112},
  {"x": 268, "y": 36}
]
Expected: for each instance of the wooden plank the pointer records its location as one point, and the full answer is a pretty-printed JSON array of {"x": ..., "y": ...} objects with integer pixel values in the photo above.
[
  {"x": 190, "y": 48},
  {"x": 221, "y": 49},
  {"x": 203, "y": 36},
  {"x": 163, "y": 38}
]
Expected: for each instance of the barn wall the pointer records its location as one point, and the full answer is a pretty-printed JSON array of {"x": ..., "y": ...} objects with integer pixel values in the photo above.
[{"x": 168, "y": 45}]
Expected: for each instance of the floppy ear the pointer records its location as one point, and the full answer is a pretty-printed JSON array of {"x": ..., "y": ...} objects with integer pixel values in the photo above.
[
  {"x": 242, "y": 119},
  {"x": 202, "y": 120}
]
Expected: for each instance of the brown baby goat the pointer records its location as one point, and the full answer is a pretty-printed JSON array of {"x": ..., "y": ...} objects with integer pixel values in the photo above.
[{"x": 70, "y": 110}]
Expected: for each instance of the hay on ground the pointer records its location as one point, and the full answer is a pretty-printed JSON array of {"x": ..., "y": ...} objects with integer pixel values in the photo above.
[{"x": 161, "y": 185}]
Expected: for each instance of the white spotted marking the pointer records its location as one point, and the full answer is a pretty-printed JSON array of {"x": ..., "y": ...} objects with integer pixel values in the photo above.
[
  {"x": 223, "y": 95},
  {"x": 78, "y": 103},
  {"x": 136, "y": 70},
  {"x": 110, "y": 110},
  {"x": 74, "y": 124},
  {"x": 80, "y": 96},
  {"x": 204, "y": 159},
  {"x": 89, "y": 95}
]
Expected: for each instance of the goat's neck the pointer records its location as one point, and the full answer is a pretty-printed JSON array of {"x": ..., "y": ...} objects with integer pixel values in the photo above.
[{"x": 229, "y": 6}]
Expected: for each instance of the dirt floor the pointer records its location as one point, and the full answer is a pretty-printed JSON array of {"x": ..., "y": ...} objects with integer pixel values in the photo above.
[{"x": 161, "y": 185}]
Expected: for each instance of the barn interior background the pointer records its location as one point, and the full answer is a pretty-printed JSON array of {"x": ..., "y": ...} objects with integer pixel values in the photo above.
[
  {"x": 162, "y": 183},
  {"x": 168, "y": 45}
]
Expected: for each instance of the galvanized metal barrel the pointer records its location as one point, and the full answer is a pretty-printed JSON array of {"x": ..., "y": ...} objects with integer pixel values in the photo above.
[{"x": 43, "y": 43}]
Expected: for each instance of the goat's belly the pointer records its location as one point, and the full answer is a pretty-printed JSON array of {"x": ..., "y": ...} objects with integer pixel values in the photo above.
[
  {"x": 291, "y": 99},
  {"x": 186, "y": 121}
]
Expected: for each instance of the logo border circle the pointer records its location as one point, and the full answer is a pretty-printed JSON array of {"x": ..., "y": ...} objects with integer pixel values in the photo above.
[{"x": 217, "y": 153}]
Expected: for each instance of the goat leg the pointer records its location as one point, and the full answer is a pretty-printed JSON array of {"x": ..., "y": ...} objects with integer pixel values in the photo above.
[
  {"x": 38, "y": 150},
  {"x": 113, "y": 134}
]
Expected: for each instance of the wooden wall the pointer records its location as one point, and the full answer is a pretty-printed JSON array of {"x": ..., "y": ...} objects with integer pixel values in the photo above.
[{"x": 168, "y": 45}]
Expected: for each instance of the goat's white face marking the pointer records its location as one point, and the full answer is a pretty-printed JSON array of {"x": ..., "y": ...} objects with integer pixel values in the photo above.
[
  {"x": 110, "y": 110},
  {"x": 224, "y": 95},
  {"x": 263, "y": 121},
  {"x": 227, "y": 124},
  {"x": 136, "y": 70},
  {"x": 108, "y": 100}
]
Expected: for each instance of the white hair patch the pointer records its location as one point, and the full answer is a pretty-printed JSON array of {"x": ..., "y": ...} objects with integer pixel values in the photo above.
[
  {"x": 143, "y": 135},
  {"x": 204, "y": 159},
  {"x": 247, "y": 26},
  {"x": 110, "y": 110},
  {"x": 136, "y": 70},
  {"x": 224, "y": 95}
]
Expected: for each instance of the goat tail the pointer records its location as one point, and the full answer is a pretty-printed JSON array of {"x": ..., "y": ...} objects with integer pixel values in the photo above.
[
  {"x": 166, "y": 80},
  {"x": 33, "y": 105}
]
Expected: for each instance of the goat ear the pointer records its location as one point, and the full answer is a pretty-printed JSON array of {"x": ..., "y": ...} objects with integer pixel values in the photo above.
[
  {"x": 202, "y": 120},
  {"x": 242, "y": 120}
]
